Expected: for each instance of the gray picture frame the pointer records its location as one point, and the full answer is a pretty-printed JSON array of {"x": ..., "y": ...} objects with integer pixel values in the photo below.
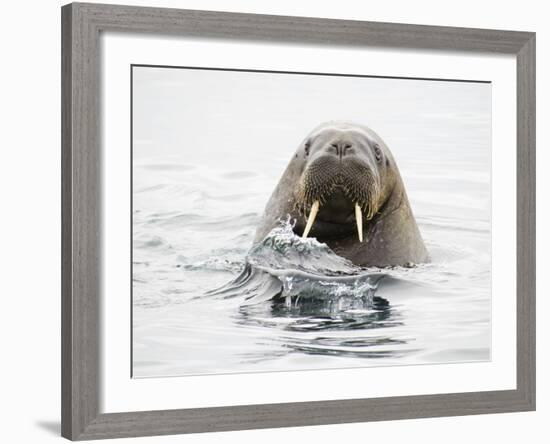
[{"x": 81, "y": 232}]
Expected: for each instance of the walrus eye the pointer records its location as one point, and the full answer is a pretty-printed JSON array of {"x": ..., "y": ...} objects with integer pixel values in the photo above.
[
  {"x": 306, "y": 147},
  {"x": 377, "y": 153}
]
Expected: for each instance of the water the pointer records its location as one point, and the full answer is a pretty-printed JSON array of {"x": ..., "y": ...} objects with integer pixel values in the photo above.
[{"x": 204, "y": 302}]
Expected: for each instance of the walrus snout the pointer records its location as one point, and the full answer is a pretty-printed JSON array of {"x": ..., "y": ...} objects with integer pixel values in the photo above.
[{"x": 340, "y": 184}]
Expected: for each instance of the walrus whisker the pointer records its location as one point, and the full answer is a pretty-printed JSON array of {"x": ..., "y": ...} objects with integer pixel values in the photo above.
[
  {"x": 359, "y": 221},
  {"x": 311, "y": 218}
]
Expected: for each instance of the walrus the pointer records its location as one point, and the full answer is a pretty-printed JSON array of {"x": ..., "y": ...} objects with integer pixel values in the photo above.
[{"x": 343, "y": 187}]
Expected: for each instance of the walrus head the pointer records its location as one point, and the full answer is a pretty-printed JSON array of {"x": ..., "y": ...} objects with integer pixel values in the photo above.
[
  {"x": 342, "y": 186},
  {"x": 346, "y": 179}
]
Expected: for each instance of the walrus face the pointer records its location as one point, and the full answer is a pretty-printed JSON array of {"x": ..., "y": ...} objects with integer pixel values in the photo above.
[{"x": 344, "y": 181}]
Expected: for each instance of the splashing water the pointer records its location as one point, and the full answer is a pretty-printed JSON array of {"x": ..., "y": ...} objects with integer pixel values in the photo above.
[{"x": 285, "y": 266}]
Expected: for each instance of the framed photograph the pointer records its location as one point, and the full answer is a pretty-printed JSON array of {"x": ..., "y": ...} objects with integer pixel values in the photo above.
[{"x": 276, "y": 221}]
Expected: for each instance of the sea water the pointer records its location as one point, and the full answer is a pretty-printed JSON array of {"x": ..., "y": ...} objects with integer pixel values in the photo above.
[{"x": 205, "y": 300}]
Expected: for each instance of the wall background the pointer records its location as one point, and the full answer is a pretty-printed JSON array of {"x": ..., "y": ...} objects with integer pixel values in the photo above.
[{"x": 30, "y": 221}]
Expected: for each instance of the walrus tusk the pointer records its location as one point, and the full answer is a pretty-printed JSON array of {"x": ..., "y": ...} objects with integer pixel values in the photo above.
[
  {"x": 359, "y": 220},
  {"x": 311, "y": 218}
]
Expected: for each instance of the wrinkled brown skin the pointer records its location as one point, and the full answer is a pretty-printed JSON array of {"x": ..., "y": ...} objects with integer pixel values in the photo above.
[{"x": 391, "y": 237}]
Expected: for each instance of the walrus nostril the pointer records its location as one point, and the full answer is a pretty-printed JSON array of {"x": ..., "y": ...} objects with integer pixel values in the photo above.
[{"x": 340, "y": 148}]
